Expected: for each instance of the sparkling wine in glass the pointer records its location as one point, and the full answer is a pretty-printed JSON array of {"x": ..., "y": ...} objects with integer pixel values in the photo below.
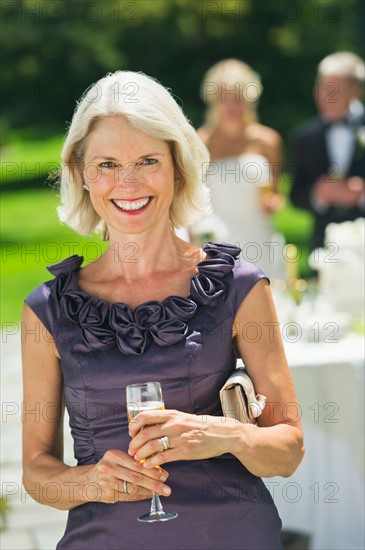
[{"x": 148, "y": 397}]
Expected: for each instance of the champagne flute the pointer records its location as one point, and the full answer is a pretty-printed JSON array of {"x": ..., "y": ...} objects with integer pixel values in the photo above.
[{"x": 148, "y": 397}]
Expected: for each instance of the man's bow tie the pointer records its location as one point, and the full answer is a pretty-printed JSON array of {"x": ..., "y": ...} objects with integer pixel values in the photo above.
[{"x": 331, "y": 123}]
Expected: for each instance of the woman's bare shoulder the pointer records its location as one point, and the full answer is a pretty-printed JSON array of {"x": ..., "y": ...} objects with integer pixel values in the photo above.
[
  {"x": 204, "y": 133},
  {"x": 264, "y": 134}
]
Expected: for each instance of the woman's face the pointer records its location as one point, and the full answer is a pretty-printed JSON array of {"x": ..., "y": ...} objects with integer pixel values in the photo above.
[
  {"x": 130, "y": 176},
  {"x": 229, "y": 108}
]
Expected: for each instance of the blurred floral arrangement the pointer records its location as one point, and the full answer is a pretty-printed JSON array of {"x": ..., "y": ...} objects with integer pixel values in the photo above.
[
  {"x": 341, "y": 267},
  {"x": 209, "y": 228}
]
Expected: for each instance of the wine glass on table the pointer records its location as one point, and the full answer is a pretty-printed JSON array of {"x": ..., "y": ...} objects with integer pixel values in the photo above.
[{"x": 148, "y": 397}]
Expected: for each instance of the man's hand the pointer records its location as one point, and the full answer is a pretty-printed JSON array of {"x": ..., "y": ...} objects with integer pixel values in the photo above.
[{"x": 331, "y": 191}]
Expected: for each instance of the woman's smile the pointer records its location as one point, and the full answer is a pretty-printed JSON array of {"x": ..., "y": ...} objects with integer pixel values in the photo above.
[{"x": 132, "y": 206}]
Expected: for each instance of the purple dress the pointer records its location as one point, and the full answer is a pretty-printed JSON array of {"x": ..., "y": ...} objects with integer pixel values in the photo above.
[{"x": 186, "y": 344}]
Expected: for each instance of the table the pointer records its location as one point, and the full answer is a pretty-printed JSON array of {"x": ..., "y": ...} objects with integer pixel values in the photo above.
[{"x": 325, "y": 497}]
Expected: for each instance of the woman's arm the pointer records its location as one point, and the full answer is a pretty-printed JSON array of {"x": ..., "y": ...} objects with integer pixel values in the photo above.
[
  {"x": 274, "y": 446},
  {"x": 267, "y": 142},
  {"x": 272, "y": 148},
  {"x": 45, "y": 477},
  {"x": 44, "y": 473}
]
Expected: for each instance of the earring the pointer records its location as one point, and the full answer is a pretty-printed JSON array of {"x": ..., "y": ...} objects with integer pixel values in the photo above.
[{"x": 86, "y": 187}]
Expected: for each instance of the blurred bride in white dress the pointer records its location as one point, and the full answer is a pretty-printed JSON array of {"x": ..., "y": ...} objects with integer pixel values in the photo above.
[{"x": 246, "y": 162}]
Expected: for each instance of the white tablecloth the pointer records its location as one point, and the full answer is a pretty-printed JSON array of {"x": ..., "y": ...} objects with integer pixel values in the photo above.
[{"x": 325, "y": 496}]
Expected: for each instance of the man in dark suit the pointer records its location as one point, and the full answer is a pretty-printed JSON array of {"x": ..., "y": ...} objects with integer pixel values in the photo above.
[{"x": 329, "y": 150}]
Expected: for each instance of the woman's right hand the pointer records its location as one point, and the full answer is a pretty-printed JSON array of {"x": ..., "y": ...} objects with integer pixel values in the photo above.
[{"x": 116, "y": 466}]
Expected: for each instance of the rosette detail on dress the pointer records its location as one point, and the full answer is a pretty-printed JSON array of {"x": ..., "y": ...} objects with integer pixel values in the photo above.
[{"x": 132, "y": 331}]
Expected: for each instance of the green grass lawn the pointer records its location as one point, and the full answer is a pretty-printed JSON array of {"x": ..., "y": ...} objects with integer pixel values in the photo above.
[
  {"x": 296, "y": 225},
  {"x": 32, "y": 238},
  {"x": 24, "y": 160}
]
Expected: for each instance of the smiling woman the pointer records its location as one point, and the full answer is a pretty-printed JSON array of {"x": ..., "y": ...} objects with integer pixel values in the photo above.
[
  {"x": 149, "y": 109},
  {"x": 152, "y": 306}
]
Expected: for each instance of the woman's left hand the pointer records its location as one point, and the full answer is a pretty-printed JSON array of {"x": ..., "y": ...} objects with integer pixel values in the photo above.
[
  {"x": 271, "y": 202},
  {"x": 190, "y": 437}
]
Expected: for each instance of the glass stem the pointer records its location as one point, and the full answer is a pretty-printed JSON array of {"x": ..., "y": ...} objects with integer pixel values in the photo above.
[{"x": 156, "y": 506}]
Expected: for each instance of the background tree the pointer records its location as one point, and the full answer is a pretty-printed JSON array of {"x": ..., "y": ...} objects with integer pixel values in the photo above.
[{"x": 52, "y": 50}]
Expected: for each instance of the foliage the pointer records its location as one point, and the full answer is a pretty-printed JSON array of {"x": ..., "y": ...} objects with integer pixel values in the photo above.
[
  {"x": 26, "y": 160},
  {"x": 33, "y": 238},
  {"x": 4, "y": 511},
  {"x": 62, "y": 47}
]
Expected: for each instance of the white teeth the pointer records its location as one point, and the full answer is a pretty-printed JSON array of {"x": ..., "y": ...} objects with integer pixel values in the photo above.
[{"x": 129, "y": 205}]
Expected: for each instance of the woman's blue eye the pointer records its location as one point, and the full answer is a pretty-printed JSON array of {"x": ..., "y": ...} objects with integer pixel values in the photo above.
[
  {"x": 148, "y": 161},
  {"x": 108, "y": 164}
]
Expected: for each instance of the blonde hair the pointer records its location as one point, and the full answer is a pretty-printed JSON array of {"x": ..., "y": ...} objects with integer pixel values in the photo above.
[
  {"x": 149, "y": 107},
  {"x": 343, "y": 65},
  {"x": 226, "y": 76}
]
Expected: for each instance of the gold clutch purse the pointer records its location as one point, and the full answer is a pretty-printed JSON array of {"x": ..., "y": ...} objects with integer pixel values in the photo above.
[{"x": 238, "y": 398}]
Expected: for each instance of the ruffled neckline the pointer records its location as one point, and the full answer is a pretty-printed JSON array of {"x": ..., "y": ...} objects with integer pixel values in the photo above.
[{"x": 164, "y": 322}]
